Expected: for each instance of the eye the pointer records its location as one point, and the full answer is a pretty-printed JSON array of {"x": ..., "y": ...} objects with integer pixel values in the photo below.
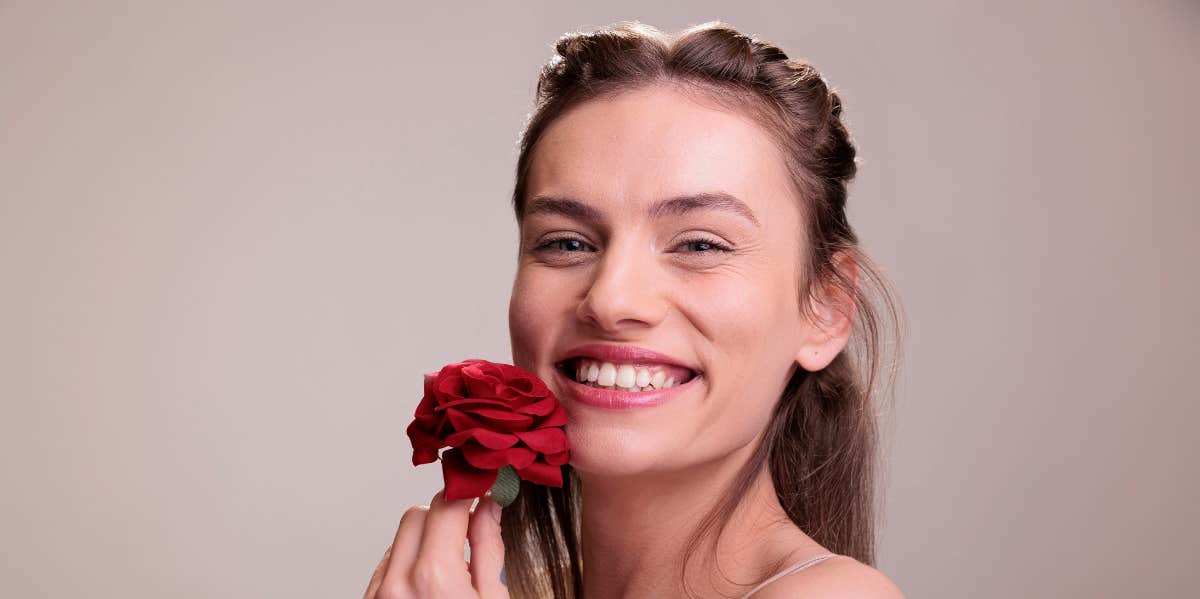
[
  {"x": 562, "y": 244},
  {"x": 704, "y": 245}
]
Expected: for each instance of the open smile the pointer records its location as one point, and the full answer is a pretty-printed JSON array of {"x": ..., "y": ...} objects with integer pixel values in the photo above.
[
  {"x": 616, "y": 399},
  {"x": 637, "y": 378}
]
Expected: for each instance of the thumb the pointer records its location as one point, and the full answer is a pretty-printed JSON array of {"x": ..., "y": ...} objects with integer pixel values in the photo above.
[{"x": 487, "y": 550}]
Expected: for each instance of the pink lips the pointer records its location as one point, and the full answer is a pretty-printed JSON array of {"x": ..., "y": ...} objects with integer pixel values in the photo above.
[
  {"x": 624, "y": 354},
  {"x": 619, "y": 400}
]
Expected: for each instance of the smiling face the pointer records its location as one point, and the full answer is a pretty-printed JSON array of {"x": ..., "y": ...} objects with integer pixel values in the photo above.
[{"x": 656, "y": 222}]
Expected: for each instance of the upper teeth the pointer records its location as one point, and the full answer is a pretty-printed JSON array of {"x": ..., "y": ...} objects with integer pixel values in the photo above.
[{"x": 624, "y": 376}]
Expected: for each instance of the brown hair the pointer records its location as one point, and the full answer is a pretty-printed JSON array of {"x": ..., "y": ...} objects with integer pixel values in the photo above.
[{"x": 821, "y": 442}]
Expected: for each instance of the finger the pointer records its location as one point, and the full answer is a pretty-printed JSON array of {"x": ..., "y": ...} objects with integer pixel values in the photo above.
[
  {"x": 445, "y": 533},
  {"x": 487, "y": 550},
  {"x": 405, "y": 548},
  {"x": 377, "y": 576}
]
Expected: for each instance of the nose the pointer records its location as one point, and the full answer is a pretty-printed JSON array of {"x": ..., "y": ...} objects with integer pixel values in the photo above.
[{"x": 625, "y": 292}]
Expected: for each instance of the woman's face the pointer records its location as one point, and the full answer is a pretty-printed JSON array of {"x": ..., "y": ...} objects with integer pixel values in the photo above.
[{"x": 712, "y": 285}]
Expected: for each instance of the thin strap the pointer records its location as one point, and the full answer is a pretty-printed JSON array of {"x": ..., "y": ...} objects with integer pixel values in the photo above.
[{"x": 796, "y": 568}]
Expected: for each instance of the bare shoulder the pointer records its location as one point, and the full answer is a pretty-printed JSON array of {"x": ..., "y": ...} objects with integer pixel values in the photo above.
[{"x": 841, "y": 577}]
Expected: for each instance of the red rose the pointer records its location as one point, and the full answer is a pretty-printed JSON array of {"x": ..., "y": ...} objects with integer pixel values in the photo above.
[{"x": 491, "y": 415}]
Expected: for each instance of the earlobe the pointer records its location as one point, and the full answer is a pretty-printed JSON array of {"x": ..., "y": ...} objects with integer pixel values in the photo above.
[
  {"x": 833, "y": 309},
  {"x": 821, "y": 347}
]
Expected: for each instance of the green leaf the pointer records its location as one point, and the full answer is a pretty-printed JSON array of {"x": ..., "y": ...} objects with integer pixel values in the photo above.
[{"x": 506, "y": 487}]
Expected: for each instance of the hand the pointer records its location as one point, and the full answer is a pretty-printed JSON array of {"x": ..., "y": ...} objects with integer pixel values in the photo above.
[{"x": 426, "y": 557}]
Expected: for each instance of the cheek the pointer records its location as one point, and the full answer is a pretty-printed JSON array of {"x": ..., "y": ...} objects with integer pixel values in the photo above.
[
  {"x": 751, "y": 324},
  {"x": 534, "y": 310}
]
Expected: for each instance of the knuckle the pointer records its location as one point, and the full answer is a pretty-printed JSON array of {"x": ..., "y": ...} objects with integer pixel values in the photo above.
[
  {"x": 393, "y": 588},
  {"x": 427, "y": 578}
]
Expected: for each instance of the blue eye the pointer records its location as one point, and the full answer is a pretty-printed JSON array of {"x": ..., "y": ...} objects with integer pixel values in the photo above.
[
  {"x": 562, "y": 243},
  {"x": 709, "y": 245}
]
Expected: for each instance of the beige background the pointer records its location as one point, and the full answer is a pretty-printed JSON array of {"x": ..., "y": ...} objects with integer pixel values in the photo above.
[{"x": 233, "y": 235}]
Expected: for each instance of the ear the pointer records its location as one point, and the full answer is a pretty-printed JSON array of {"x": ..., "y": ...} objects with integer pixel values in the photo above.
[{"x": 833, "y": 311}]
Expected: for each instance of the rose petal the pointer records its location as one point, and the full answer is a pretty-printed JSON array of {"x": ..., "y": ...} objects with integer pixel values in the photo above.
[
  {"x": 544, "y": 440},
  {"x": 472, "y": 402},
  {"x": 463, "y": 480},
  {"x": 542, "y": 407},
  {"x": 503, "y": 420},
  {"x": 449, "y": 387},
  {"x": 425, "y": 440},
  {"x": 486, "y": 438},
  {"x": 423, "y": 456},
  {"x": 428, "y": 401},
  {"x": 521, "y": 457},
  {"x": 556, "y": 418},
  {"x": 525, "y": 391},
  {"x": 481, "y": 457},
  {"x": 461, "y": 421},
  {"x": 478, "y": 383},
  {"x": 457, "y": 367},
  {"x": 425, "y": 445},
  {"x": 521, "y": 378},
  {"x": 519, "y": 387},
  {"x": 502, "y": 415},
  {"x": 514, "y": 400},
  {"x": 558, "y": 459},
  {"x": 429, "y": 422},
  {"x": 542, "y": 474}
]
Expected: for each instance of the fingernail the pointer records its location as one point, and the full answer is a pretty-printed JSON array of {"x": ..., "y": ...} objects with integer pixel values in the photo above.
[
  {"x": 495, "y": 508},
  {"x": 503, "y": 576}
]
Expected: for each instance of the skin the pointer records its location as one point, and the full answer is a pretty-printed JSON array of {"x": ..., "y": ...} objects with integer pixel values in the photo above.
[{"x": 710, "y": 287}]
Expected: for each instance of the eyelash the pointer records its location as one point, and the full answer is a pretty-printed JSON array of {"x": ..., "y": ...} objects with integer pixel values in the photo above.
[{"x": 716, "y": 245}]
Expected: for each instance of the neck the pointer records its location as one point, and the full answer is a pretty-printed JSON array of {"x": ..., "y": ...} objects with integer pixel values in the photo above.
[{"x": 635, "y": 531}]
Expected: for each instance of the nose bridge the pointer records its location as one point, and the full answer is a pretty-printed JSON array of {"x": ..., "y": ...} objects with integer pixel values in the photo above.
[{"x": 625, "y": 288}]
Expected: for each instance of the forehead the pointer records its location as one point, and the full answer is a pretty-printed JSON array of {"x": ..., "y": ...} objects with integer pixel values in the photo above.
[{"x": 651, "y": 143}]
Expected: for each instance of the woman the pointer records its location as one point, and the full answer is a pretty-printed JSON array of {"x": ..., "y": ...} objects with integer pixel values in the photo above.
[{"x": 688, "y": 286}]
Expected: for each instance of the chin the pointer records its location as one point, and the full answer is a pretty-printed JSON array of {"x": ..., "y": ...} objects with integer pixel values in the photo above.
[{"x": 613, "y": 451}]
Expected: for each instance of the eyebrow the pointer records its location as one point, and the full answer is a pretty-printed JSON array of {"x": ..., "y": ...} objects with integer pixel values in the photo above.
[{"x": 675, "y": 206}]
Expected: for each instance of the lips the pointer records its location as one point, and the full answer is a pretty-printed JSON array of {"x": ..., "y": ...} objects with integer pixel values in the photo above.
[
  {"x": 615, "y": 367},
  {"x": 615, "y": 399},
  {"x": 628, "y": 354}
]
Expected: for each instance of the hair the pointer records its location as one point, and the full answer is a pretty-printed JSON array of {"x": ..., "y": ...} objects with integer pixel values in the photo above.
[{"x": 821, "y": 442}]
